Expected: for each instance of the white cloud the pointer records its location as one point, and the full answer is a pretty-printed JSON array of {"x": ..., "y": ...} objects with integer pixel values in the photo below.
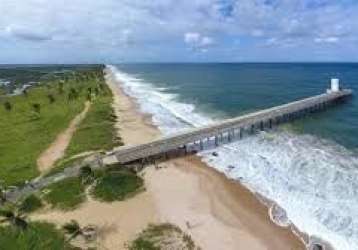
[
  {"x": 331, "y": 39},
  {"x": 192, "y": 38},
  {"x": 24, "y": 33},
  {"x": 106, "y": 28},
  {"x": 197, "y": 41}
]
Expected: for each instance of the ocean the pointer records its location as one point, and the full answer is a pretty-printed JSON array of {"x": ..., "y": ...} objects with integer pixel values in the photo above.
[{"x": 309, "y": 168}]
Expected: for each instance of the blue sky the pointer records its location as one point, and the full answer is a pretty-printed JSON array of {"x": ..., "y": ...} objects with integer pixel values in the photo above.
[{"x": 110, "y": 31}]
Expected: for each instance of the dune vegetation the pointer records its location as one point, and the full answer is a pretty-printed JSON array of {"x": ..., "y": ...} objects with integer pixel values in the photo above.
[
  {"x": 162, "y": 236},
  {"x": 37, "y": 235},
  {"x": 116, "y": 185},
  {"x": 66, "y": 194},
  {"x": 105, "y": 185}
]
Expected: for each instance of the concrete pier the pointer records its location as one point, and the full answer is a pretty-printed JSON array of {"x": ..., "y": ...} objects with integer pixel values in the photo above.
[{"x": 252, "y": 122}]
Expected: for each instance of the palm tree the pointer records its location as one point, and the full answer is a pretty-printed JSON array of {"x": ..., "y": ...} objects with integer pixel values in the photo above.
[
  {"x": 36, "y": 107},
  {"x": 74, "y": 229},
  {"x": 7, "y": 105},
  {"x": 14, "y": 218},
  {"x": 51, "y": 98},
  {"x": 2, "y": 193},
  {"x": 60, "y": 86},
  {"x": 2, "y": 196}
]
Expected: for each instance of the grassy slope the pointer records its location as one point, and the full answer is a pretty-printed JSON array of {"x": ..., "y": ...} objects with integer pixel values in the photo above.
[
  {"x": 96, "y": 131},
  {"x": 22, "y": 138}
]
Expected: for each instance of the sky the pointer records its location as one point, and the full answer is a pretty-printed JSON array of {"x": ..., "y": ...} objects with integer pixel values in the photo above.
[{"x": 115, "y": 31}]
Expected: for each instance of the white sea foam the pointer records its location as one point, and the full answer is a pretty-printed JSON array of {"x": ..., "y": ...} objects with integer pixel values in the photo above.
[{"x": 315, "y": 181}]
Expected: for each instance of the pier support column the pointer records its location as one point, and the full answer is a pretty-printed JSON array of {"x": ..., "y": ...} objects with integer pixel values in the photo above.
[
  {"x": 261, "y": 125},
  {"x": 216, "y": 141},
  {"x": 229, "y": 136},
  {"x": 252, "y": 128},
  {"x": 270, "y": 123},
  {"x": 201, "y": 145},
  {"x": 240, "y": 133},
  {"x": 277, "y": 120}
]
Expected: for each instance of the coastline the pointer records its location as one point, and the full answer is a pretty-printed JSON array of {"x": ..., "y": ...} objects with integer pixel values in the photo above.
[{"x": 217, "y": 212}]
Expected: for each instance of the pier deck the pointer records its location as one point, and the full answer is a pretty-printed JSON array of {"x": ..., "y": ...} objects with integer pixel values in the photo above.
[{"x": 231, "y": 128}]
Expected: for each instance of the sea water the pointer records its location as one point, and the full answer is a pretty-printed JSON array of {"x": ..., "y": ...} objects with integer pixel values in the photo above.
[{"x": 310, "y": 169}]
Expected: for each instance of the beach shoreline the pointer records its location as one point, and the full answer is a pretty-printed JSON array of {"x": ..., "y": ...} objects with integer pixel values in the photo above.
[{"x": 233, "y": 217}]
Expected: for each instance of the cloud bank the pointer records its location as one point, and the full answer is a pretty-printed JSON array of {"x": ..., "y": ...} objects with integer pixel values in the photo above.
[{"x": 168, "y": 30}]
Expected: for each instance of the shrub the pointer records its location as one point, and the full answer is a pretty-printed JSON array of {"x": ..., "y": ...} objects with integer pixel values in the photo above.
[
  {"x": 39, "y": 236},
  {"x": 51, "y": 98},
  {"x": 60, "y": 87},
  {"x": 36, "y": 107},
  {"x": 66, "y": 194},
  {"x": 30, "y": 204},
  {"x": 7, "y": 106},
  {"x": 162, "y": 236},
  {"x": 117, "y": 185}
]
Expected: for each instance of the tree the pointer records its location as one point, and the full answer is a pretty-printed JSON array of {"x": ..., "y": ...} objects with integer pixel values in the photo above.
[
  {"x": 74, "y": 229},
  {"x": 14, "y": 218},
  {"x": 2, "y": 193},
  {"x": 89, "y": 97},
  {"x": 51, "y": 98},
  {"x": 60, "y": 86},
  {"x": 36, "y": 107},
  {"x": 7, "y": 106},
  {"x": 73, "y": 94},
  {"x": 96, "y": 91}
]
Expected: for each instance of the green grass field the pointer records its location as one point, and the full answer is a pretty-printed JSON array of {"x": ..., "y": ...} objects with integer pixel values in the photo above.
[
  {"x": 24, "y": 135},
  {"x": 66, "y": 194},
  {"x": 27, "y": 129},
  {"x": 116, "y": 185},
  {"x": 38, "y": 236},
  {"x": 96, "y": 132}
]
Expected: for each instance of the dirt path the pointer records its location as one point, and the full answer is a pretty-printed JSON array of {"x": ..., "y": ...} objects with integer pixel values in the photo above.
[{"x": 57, "y": 149}]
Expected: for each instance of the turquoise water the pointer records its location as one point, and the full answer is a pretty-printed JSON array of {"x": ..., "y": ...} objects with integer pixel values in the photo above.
[
  {"x": 233, "y": 89},
  {"x": 310, "y": 175}
]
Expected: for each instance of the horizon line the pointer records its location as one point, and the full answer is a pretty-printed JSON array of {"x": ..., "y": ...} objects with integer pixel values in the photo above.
[{"x": 184, "y": 62}]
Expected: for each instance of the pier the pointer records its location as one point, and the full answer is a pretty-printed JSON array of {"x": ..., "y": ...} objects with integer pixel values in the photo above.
[
  {"x": 192, "y": 140},
  {"x": 230, "y": 129}
]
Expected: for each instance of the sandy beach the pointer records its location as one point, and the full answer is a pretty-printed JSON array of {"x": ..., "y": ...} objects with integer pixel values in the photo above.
[{"x": 217, "y": 212}]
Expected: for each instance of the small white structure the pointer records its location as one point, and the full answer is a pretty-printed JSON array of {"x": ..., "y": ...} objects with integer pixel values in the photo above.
[{"x": 334, "y": 86}]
